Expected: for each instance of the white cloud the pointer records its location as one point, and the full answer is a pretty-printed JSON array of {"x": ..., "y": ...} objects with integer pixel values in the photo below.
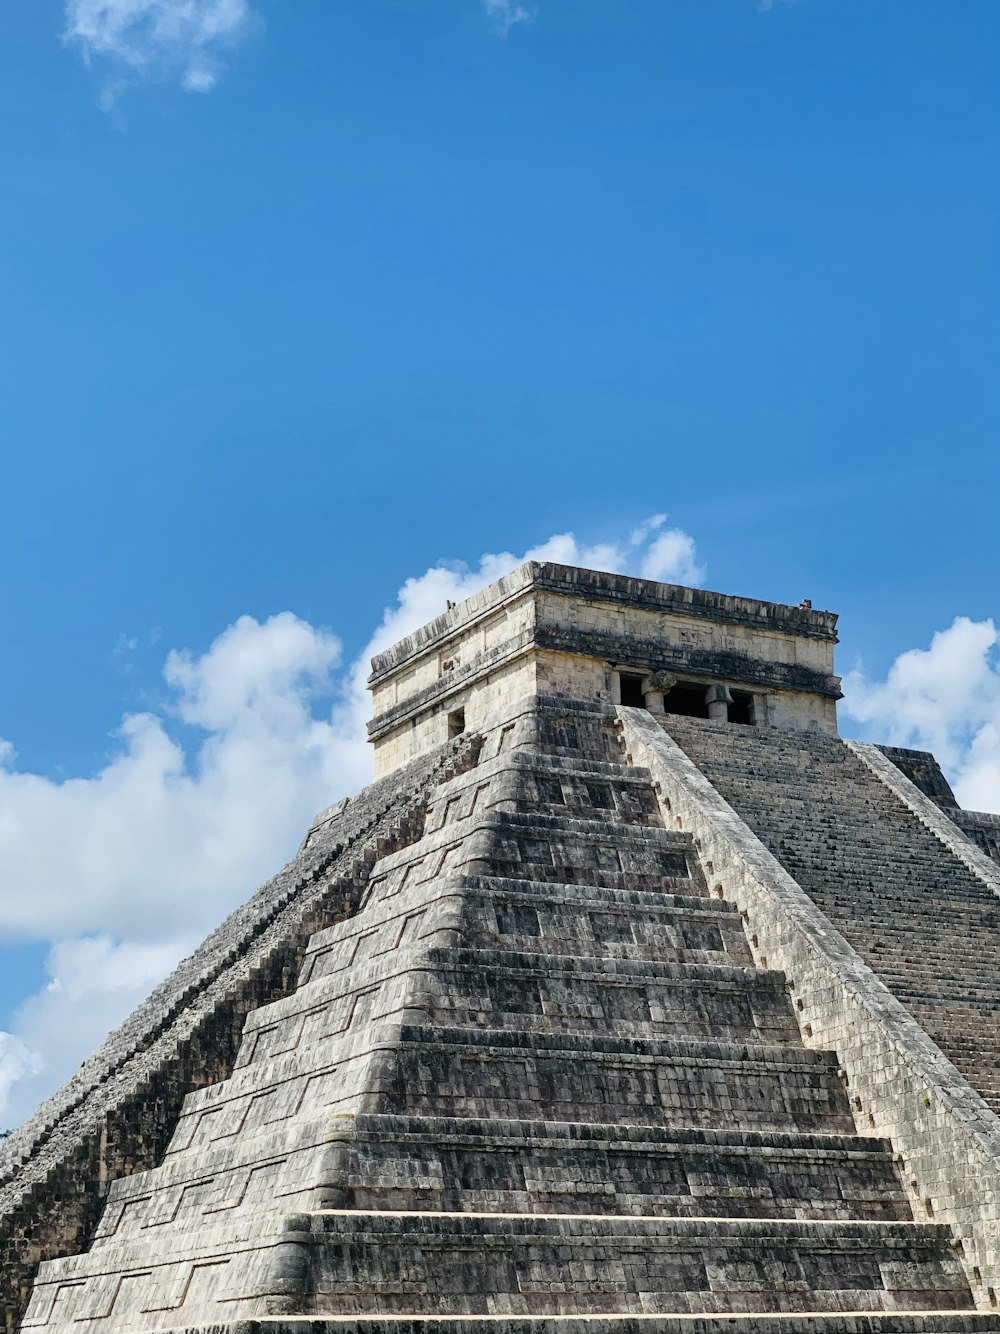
[
  {"x": 946, "y": 699},
  {"x": 18, "y": 1063},
  {"x": 671, "y": 559},
  {"x": 94, "y": 981},
  {"x": 126, "y": 870},
  {"x": 503, "y": 14},
  {"x": 158, "y": 836},
  {"x": 179, "y": 39},
  {"x": 185, "y": 39}
]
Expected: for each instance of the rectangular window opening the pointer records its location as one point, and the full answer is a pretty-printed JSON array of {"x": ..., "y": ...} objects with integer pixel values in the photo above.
[
  {"x": 456, "y": 723},
  {"x": 687, "y": 700},
  {"x": 742, "y": 710},
  {"x": 631, "y": 690}
]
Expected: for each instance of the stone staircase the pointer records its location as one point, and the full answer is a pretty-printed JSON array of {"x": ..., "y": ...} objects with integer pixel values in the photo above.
[
  {"x": 535, "y": 1080},
  {"x": 914, "y": 912}
]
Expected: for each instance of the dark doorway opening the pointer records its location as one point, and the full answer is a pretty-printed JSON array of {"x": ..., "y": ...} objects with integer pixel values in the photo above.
[
  {"x": 632, "y": 691},
  {"x": 686, "y": 700},
  {"x": 456, "y": 723},
  {"x": 741, "y": 709}
]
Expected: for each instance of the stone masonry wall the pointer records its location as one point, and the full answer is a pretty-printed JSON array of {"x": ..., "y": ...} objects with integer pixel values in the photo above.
[
  {"x": 983, "y": 827},
  {"x": 571, "y": 625},
  {"x": 485, "y": 702},
  {"x": 923, "y": 770}
]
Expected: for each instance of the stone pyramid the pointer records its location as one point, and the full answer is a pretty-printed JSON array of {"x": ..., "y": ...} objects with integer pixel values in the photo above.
[{"x": 586, "y": 1011}]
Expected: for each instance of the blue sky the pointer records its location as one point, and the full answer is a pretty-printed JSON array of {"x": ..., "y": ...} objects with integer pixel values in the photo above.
[{"x": 354, "y": 291}]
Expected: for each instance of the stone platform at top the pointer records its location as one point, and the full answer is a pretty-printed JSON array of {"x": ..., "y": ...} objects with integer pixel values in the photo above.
[{"x": 557, "y": 629}]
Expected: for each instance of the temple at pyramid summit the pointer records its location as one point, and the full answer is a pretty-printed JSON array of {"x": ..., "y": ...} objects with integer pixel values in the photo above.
[{"x": 628, "y": 997}]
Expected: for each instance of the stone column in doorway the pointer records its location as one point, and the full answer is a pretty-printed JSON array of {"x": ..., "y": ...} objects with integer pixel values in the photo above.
[
  {"x": 654, "y": 688},
  {"x": 718, "y": 699}
]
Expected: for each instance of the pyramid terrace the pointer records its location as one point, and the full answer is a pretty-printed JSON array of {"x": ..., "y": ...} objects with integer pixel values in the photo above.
[{"x": 629, "y": 997}]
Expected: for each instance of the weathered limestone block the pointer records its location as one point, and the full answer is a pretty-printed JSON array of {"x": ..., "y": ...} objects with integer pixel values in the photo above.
[
  {"x": 455, "y": 1072},
  {"x": 479, "y": 911},
  {"x": 393, "y": 1162},
  {"x": 450, "y": 1264}
]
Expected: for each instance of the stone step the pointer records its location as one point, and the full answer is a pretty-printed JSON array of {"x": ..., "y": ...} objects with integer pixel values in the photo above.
[
  {"x": 637, "y": 834},
  {"x": 800, "y": 1322},
  {"x": 467, "y": 1073},
  {"x": 524, "y": 914},
  {"x": 538, "y": 847},
  {"x": 426, "y": 1070},
  {"x": 269, "y": 1096},
  {"x": 623, "y": 924},
  {"x": 968, "y": 1005},
  {"x": 574, "y": 728},
  {"x": 543, "y": 763},
  {"x": 534, "y": 846},
  {"x": 915, "y": 913},
  {"x": 533, "y": 760},
  {"x": 549, "y": 993},
  {"x": 274, "y": 1167},
  {"x": 347, "y": 1262},
  {"x": 601, "y": 895},
  {"x": 395, "y": 1162},
  {"x": 887, "y": 923},
  {"x": 413, "y": 1162},
  {"x": 495, "y": 1264},
  {"x": 543, "y": 993},
  {"x": 549, "y": 784}
]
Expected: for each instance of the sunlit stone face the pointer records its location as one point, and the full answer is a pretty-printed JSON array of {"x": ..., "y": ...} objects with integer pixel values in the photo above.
[{"x": 592, "y": 636}]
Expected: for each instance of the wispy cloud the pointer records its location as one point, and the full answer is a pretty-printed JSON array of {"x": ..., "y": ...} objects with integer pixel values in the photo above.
[
  {"x": 185, "y": 40},
  {"x": 503, "y": 14},
  {"x": 158, "y": 845},
  {"x": 158, "y": 39}
]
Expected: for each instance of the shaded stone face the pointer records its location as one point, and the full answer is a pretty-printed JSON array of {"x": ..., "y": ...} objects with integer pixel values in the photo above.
[{"x": 566, "y": 1020}]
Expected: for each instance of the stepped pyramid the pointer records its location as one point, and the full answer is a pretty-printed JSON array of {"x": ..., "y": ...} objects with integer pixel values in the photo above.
[{"x": 628, "y": 995}]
